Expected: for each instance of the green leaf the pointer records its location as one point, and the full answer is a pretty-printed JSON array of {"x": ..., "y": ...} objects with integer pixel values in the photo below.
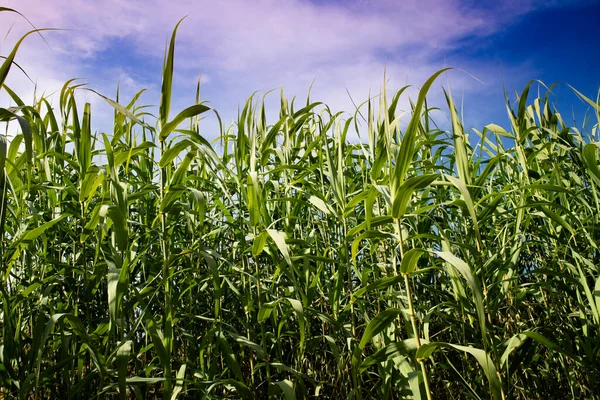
[
  {"x": 5, "y": 67},
  {"x": 119, "y": 225},
  {"x": 590, "y": 153},
  {"x": 3, "y": 186},
  {"x": 259, "y": 243},
  {"x": 266, "y": 309},
  {"x": 320, "y": 204},
  {"x": 122, "y": 361},
  {"x": 254, "y": 201},
  {"x": 374, "y": 234},
  {"x": 406, "y": 347},
  {"x": 299, "y": 310},
  {"x": 229, "y": 356},
  {"x": 173, "y": 151},
  {"x": 159, "y": 346},
  {"x": 122, "y": 109},
  {"x": 167, "y": 80},
  {"x": 460, "y": 142},
  {"x": 279, "y": 239},
  {"x": 287, "y": 388},
  {"x": 93, "y": 179},
  {"x": 466, "y": 196},
  {"x": 404, "y": 193},
  {"x": 409, "y": 261},
  {"x": 32, "y": 234},
  {"x": 179, "y": 385},
  {"x": 240, "y": 387},
  {"x": 378, "y": 324},
  {"x": 466, "y": 272},
  {"x": 182, "y": 116},
  {"x": 407, "y": 147},
  {"x": 516, "y": 341},
  {"x": 481, "y": 356},
  {"x": 557, "y": 218},
  {"x": 380, "y": 284},
  {"x": 91, "y": 224},
  {"x": 250, "y": 344}
]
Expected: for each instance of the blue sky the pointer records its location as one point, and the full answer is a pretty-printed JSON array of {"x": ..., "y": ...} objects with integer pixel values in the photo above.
[{"x": 243, "y": 46}]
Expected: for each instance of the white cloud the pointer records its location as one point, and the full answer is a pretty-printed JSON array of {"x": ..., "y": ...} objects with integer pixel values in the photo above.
[{"x": 243, "y": 46}]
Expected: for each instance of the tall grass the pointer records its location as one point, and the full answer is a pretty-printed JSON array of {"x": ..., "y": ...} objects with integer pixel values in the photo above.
[{"x": 293, "y": 263}]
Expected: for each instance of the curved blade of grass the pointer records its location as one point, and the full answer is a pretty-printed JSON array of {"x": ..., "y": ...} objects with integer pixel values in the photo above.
[
  {"x": 407, "y": 147},
  {"x": 409, "y": 261},
  {"x": 426, "y": 350},
  {"x": 189, "y": 112},
  {"x": 378, "y": 324},
  {"x": 466, "y": 272},
  {"x": 167, "y": 80}
]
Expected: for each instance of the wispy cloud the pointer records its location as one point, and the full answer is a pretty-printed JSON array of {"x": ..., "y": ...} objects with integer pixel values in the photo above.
[{"x": 243, "y": 46}]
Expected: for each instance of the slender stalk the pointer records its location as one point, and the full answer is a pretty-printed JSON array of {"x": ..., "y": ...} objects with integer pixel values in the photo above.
[
  {"x": 411, "y": 312},
  {"x": 168, "y": 308}
]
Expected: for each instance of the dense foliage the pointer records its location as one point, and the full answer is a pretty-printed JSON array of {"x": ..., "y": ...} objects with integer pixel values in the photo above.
[{"x": 289, "y": 261}]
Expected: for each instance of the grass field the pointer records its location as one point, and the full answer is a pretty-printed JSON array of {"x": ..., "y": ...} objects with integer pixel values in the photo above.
[{"x": 285, "y": 260}]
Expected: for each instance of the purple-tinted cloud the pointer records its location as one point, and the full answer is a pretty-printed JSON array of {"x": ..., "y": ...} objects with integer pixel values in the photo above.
[{"x": 243, "y": 46}]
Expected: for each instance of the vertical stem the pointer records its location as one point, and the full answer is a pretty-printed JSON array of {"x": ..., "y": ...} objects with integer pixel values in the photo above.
[
  {"x": 411, "y": 313},
  {"x": 166, "y": 278},
  {"x": 262, "y": 325},
  {"x": 350, "y": 286}
]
